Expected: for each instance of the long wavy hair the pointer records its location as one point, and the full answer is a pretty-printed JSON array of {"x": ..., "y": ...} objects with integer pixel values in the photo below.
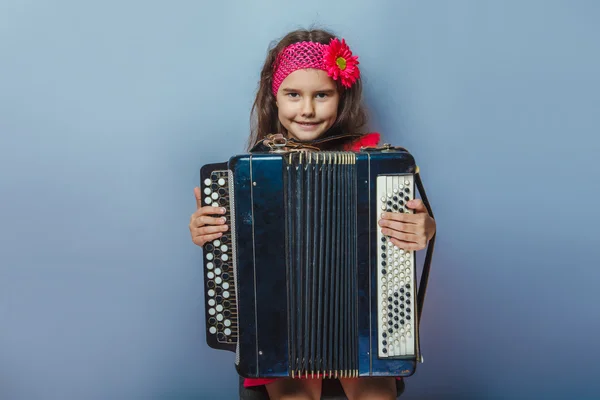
[{"x": 352, "y": 117}]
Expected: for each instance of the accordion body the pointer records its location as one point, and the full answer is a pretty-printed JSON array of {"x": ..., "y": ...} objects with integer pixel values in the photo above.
[{"x": 304, "y": 283}]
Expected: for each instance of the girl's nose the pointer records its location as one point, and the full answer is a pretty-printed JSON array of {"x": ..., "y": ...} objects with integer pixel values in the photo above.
[{"x": 308, "y": 108}]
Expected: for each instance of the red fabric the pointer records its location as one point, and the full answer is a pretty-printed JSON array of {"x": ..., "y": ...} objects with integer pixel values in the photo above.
[{"x": 368, "y": 140}]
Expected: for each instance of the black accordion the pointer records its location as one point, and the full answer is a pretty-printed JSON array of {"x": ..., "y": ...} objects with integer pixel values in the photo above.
[{"x": 304, "y": 283}]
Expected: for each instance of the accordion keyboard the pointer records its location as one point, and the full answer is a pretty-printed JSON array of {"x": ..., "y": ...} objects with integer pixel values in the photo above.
[
  {"x": 221, "y": 307},
  {"x": 396, "y": 275}
]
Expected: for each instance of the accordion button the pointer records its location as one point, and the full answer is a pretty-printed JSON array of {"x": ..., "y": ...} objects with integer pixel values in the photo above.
[
  {"x": 207, "y": 191},
  {"x": 227, "y": 322},
  {"x": 212, "y": 330},
  {"x": 221, "y": 182},
  {"x": 226, "y": 294},
  {"x": 225, "y": 285},
  {"x": 227, "y": 331},
  {"x": 207, "y": 182}
]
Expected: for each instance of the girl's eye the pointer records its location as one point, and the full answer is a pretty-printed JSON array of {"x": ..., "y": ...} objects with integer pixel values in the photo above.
[
  {"x": 293, "y": 95},
  {"x": 322, "y": 95}
]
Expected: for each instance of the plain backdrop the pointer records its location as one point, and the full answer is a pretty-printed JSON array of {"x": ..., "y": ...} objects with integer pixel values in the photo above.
[{"x": 108, "y": 109}]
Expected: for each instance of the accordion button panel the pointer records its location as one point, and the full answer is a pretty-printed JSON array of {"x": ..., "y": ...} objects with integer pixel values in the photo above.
[
  {"x": 219, "y": 271},
  {"x": 396, "y": 275}
]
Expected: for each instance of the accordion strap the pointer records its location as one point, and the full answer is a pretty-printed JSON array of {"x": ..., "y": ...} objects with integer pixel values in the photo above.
[
  {"x": 277, "y": 142},
  {"x": 428, "y": 254}
]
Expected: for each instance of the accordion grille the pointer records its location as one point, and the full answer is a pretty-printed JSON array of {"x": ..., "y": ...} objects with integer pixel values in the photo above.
[{"x": 321, "y": 244}]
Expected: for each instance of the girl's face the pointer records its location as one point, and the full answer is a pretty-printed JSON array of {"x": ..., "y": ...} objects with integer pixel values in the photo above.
[{"x": 307, "y": 103}]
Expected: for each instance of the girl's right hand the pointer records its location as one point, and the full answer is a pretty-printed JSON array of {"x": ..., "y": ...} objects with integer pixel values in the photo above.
[{"x": 202, "y": 227}]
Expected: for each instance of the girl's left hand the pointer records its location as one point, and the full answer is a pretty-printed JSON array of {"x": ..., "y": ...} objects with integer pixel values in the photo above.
[{"x": 409, "y": 231}]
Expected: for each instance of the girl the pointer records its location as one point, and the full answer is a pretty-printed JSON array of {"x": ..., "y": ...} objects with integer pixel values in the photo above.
[{"x": 310, "y": 88}]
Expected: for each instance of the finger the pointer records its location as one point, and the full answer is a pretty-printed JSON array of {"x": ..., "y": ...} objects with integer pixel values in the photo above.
[
  {"x": 401, "y": 226},
  {"x": 406, "y": 237},
  {"x": 209, "y": 230},
  {"x": 206, "y": 220},
  {"x": 198, "y": 197},
  {"x": 417, "y": 205},
  {"x": 407, "y": 246},
  {"x": 400, "y": 217},
  {"x": 207, "y": 210},
  {"x": 202, "y": 240}
]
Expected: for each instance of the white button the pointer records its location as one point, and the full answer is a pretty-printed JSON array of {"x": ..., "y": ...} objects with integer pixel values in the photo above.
[
  {"x": 211, "y": 311},
  {"x": 214, "y": 196},
  {"x": 212, "y": 330},
  {"x": 207, "y": 200},
  {"x": 226, "y": 294},
  {"x": 225, "y": 285},
  {"x": 221, "y": 182},
  {"x": 227, "y": 322},
  {"x": 211, "y": 302},
  {"x": 227, "y": 331},
  {"x": 207, "y": 182},
  {"x": 209, "y": 265},
  {"x": 207, "y": 191},
  {"x": 217, "y": 243},
  {"x": 224, "y": 257}
]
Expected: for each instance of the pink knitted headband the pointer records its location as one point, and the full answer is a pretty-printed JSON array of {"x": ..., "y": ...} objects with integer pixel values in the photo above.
[{"x": 334, "y": 58}]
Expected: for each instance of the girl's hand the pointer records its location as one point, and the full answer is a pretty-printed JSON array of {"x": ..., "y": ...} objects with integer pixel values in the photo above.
[
  {"x": 409, "y": 231},
  {"x": 202, "y": 227}
]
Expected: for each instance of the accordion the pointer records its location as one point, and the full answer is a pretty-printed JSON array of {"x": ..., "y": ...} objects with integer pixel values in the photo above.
[{"x": 304, "y": 283}]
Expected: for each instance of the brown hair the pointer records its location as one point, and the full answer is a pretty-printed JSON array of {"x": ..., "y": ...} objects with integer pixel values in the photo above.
[{"x": 352, "y": 116}]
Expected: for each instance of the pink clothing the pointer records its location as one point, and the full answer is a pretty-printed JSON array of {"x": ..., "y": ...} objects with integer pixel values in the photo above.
[{"x": 368, "y": 140}]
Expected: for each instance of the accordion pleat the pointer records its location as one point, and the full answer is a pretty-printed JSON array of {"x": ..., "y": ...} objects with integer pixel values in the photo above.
[{"x": 321, "y": 232}]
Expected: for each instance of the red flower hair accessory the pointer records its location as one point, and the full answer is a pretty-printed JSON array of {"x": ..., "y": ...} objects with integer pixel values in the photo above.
[
  {"x": 335, "y": 58},
  {"x": 340, "y": 63}
]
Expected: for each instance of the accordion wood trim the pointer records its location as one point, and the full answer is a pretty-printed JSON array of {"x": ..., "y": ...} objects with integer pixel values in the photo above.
[{"x": 305, "y": 284}]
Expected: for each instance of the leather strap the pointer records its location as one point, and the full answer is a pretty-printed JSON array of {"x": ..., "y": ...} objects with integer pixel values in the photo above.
[
  {"x": 278, "y": 142},
  {"x": 427, "y": 262}
]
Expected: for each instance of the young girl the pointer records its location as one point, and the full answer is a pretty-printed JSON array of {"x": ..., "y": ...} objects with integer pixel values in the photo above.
[{"x": 310, "y": 88}]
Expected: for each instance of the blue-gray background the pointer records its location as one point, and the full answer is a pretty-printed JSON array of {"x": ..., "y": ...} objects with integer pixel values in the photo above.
[{"x": 108, "y": 110}]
